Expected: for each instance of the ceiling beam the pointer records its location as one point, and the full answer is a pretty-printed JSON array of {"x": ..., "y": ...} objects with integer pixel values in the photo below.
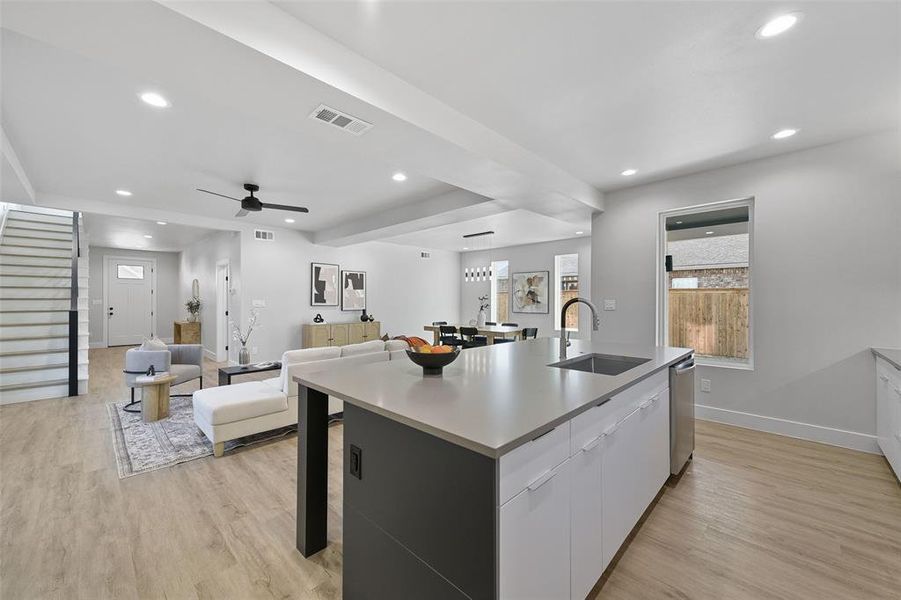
[
  {"x": 450, "y": 207},
  {"x": 268, "y": 29}
]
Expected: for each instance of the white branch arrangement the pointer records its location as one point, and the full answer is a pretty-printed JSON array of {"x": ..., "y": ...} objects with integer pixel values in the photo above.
[{"x": 240, "y": 336}]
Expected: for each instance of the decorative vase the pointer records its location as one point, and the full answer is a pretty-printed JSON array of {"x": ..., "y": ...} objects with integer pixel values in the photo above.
[
  {"x": 243, "y": 355},
  {"x": 364, "y": 317},
  {"x": 318, "y": 318},
  {"x": 371, "y": 318},
  {"x": 480, "y": 322},
  {"x": 192, "y": 317}
]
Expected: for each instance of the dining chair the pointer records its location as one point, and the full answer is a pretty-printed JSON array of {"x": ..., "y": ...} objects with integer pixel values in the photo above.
[
  {"x": 439, "y": 322},
  {"x": 491, "y": 323},
  {"x": 530, "y": 332},
  {"x": 502, "y": 340},
  {"x": 471, "y": 337},
  {"x": 448, "y": 336}
]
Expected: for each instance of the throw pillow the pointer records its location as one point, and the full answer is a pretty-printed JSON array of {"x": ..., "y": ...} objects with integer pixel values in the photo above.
[{"x": 154, "y": 343}]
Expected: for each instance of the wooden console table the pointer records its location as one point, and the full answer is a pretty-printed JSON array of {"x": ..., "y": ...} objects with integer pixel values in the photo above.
[{"x": 186, "y": 332}]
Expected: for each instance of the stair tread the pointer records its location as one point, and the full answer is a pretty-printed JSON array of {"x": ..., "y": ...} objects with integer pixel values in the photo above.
[
  {"x": 32, "y": 352},
  {"x": 48, "y": 323},
  {"x": 35, "y": 368},
  {"x": 38, "y": 337},
  {"x": 37, "y": 384},
  {"x": 31, "y": 310}
]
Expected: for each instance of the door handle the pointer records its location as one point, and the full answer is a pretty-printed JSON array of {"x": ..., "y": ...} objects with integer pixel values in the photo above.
[
  {"x": 648, "y": 402},
  {"x": 541, "y": 480},
  {"x": 593, "y": 443}
]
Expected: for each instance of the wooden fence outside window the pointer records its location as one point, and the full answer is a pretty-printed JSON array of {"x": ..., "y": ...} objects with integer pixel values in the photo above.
[{"x": 712, "y": 321}]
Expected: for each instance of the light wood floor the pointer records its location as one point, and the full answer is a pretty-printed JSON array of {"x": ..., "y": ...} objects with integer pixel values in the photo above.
[{"x": 755, "y": 516}]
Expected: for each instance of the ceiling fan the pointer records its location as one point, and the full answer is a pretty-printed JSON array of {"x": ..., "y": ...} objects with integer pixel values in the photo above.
[{"x": 252, "y": 204}]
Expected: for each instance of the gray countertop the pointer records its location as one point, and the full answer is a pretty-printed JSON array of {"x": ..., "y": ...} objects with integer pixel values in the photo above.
[
  {"x": 893, "y": 355},
  {"x": 491, "y": 399}
]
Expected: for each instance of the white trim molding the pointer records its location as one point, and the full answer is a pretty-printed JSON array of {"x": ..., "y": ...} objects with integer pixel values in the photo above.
[{"x": 804, "y": 431}]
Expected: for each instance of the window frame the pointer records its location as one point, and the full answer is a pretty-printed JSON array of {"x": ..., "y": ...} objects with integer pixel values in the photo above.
[
  {"x": 558, "y": 290},
  {"x": 662, "y": 308},
  {"x": 119, "y": 272}
]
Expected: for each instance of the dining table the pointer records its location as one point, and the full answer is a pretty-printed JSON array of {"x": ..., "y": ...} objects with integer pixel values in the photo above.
[{"x": 489, "y": 331}]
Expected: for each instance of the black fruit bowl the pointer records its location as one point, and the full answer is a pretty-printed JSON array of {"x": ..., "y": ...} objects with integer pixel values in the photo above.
[{"x": 433, "y": 364}]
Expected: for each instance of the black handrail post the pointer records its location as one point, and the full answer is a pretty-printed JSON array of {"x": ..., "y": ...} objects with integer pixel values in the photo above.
[{"x": 73, "y": 310}]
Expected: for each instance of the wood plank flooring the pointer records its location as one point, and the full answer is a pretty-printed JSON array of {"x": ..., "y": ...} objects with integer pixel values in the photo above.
[{"x": 754, "y": 516}]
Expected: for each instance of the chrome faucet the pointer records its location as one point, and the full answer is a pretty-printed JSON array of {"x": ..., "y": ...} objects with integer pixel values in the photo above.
[{"x": 595, "y": 322}]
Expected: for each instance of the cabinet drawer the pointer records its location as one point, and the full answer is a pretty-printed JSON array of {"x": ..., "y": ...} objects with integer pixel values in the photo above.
[
  {"x": 588, "y": 426},
  {"x": 532, "y": 461}
]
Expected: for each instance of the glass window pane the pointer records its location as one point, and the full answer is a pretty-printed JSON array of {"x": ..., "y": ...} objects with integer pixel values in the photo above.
[
  {"x": 566, "y": 287},
  {"x": 130, "y": 271}
]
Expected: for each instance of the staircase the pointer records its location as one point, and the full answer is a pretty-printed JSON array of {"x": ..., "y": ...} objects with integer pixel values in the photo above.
[{"x": 36, "y": 301}]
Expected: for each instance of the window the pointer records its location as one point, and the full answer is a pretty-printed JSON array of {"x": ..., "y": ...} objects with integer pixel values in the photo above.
[
  {"x": 566, "y": 287},
  {"x": 706, "y": 299},
  {"x": 500, "y": 291},
  {"x": 129, "y": 271}
]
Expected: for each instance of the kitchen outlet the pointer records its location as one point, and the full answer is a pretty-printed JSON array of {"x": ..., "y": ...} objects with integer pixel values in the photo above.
[
  {"x": 609, "y": 304},
  {"x": 705, "y": 385},
  {"x": 356, "y": 462}
]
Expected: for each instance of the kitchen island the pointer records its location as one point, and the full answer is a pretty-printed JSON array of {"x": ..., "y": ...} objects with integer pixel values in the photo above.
[{"x": 504, "y": 477}]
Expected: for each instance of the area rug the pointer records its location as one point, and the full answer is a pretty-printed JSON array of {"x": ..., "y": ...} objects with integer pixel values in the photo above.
[{"x": 142, "y": 447}]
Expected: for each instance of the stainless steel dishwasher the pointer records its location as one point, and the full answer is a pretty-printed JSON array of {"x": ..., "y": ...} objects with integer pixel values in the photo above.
[{"x": 681, "y": 413}]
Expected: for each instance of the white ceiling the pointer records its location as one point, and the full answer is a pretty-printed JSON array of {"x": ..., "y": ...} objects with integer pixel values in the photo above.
[
  {"x": 662, "y": 87},
  {"x": 510, "y": 229},
  {"x": 122, "y": 232},
  {"x": 530, "y": 107}
]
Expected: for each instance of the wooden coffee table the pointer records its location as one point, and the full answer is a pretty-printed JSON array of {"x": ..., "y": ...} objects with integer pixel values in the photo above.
[{"x": 155, "y": 398}]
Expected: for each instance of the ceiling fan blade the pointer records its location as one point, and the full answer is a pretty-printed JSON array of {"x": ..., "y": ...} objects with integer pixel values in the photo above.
[
  {"x": 301, "y": 209},
  {"x": 241, "y": 213},
  {"x": 217, "y": 194}
]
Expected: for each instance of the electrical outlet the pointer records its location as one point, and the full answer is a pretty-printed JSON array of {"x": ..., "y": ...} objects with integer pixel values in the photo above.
[
  {"x": 705, "y": 385},
  {"x": 609, "y": 304},
  {"x": 356, "y": 462}
]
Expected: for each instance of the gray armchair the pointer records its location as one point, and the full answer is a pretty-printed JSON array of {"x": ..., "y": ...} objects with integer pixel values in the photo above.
[{"x": 185, "y": 361}]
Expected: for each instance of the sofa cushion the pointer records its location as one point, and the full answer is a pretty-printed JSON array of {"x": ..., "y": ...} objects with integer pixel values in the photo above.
[
  {"x": 308, "y": 354},
  {"x": 394, "y": 345},
  {"x": 300, "y": 369},
  {"x": 230, "y": 403},
  {"x": 364, "y": 348},
  {"x": 184, "y": 373}
]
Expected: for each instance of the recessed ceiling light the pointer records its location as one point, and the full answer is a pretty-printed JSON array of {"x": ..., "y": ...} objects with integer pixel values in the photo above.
[
  {"x": 629, "y": 172},
  {"x": 579, "y": 232},
  {"x": 154, "y": 99},
  {"x": 708, "y": 233},
  {"x": 399, "y": 176},
  {"x": 161, "y": 223},
  {"x": 148, "y": 236},
  {"x": 678, "y": 222},
  {"x": 465, "y": 248},
  {"x": 780, "y": 24},
  {"x": 123, "y": 192},
  {"x": 784, "y": 133},
  {"x": 289, "y": 220}
]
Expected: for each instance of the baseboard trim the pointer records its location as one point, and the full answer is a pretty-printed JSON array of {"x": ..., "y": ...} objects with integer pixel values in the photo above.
[
  {"x": 94, "y": 345},
  {"x": 805, "y": 431},
  {"x": 209, "y": 354}
]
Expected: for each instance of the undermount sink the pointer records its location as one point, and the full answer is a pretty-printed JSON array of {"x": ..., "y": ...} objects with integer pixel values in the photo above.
[{"x": 602, "y": 364}]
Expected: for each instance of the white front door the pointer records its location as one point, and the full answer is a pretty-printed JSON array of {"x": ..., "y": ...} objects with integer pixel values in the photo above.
[{"x": 130, "y": 301}]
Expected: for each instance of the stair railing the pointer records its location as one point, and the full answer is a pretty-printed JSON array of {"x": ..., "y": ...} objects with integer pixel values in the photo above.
[{"x": 73, "y": 309}]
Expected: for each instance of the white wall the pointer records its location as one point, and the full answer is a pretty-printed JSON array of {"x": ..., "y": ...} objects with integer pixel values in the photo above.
[
  {"x": 168, "y": 305},
  {"x": 530, "y": 257},
  {"x": 404, "y": 291},
  {"x": 198, "y": 261},
  {"x": 827, "y": 281}
]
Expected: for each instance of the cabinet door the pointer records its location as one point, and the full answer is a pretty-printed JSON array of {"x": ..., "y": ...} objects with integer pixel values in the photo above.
[
  {"x": 340, "y": 335},
  {"x": 883, "y": 408},
  {"x": 587, "y": 555},
  {"x": 355, "y": 333},
  {"x": 534, "y": 539},
  {"x": 373, "y": 331},
  {"x": 318, "y": 336}
]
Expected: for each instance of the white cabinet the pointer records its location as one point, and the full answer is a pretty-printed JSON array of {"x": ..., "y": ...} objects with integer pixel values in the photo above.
[
  {"x": 888, "y": 413},
  {"x": 534, "y": 538},
  {"x": 636, "y": 465},
  {"x": 587, "y": 550}
]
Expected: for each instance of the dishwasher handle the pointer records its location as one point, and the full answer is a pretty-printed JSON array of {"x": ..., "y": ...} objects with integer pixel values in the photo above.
[{"x": 684, "y": 367}]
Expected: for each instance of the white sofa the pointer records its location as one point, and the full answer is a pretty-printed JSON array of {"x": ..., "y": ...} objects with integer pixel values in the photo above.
[{"x": 233, "y": 411}]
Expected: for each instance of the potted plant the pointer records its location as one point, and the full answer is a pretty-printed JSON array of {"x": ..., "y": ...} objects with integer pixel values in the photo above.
[
  {"x": 193, "y": 306},
  {"x": 243, "y": 337}
]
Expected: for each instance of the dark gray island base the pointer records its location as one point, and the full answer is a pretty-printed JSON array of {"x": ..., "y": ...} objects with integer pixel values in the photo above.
[{"x": 439, "y": 478}]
